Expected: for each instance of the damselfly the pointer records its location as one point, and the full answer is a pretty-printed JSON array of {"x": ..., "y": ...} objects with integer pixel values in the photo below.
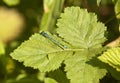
[{"x": 53, "y": 40}]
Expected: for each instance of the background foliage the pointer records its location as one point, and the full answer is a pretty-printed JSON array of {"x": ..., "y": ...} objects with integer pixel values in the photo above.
[{"x": 82, "y": 43}]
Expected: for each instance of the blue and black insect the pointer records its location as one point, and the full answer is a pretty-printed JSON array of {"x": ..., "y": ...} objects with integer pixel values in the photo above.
[{"x": 53, "y": 40}]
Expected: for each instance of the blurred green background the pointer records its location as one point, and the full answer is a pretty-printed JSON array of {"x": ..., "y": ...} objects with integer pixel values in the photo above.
[{"x": 19, "y": 19}]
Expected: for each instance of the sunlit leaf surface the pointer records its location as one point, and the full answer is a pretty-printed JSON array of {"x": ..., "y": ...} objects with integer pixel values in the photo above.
[
  {"x": 112, "y": 57},
  {"x": 82, "y": 37}
]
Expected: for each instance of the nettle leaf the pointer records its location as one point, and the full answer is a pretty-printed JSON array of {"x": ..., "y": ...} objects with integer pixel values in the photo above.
[
  {"x": 79, "y": 39},
  {"x": 112, "y": 57}
]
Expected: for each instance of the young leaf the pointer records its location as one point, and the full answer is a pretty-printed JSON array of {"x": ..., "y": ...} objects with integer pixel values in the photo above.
[{"x": 112, "y": 57}]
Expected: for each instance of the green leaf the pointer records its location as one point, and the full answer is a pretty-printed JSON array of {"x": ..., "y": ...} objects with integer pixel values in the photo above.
[
  {"x": 24, "y": 80},
  {"x": 113, "y": 72},
  {"x": 117, "y": 8},
  {"x": 12, "y": 2},
  {"x": 2, "y": 48},
  {"x": 80, "y": 28},
  {"x": 50, "y": 80},
  {"x": 52, "y": 10},
  {"x": 98, "y": 2},
  {"x": 79, "y": 71},
  {"x": 82, "y": 31},
  {"x": 41, "y": 53},
  {"x": 59, "y": 76},
  {"x": 83, "y": 36},
  {"x": 112, "y": 57}
]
